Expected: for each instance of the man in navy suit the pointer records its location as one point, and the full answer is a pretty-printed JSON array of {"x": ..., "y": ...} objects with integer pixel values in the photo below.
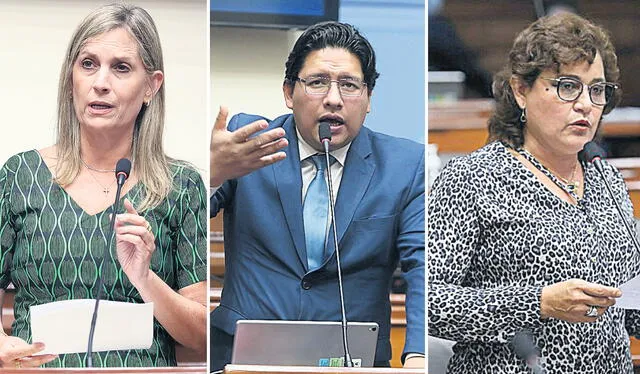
[{"x": 261, "y": 172}]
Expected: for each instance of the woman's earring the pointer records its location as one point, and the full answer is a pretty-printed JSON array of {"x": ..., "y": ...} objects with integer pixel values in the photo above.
[{"x": 523, "y": 115}]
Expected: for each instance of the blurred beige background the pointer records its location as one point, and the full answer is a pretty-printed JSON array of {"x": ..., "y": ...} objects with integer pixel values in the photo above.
[{"x": 35, "y": 35}]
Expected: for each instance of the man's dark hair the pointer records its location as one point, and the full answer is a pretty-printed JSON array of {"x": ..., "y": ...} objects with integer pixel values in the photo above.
[{"x": 336, "y": 35}]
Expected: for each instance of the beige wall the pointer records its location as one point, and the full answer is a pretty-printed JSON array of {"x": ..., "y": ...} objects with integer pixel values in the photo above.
[
  {"x": 33, "y": 37},
  {"x": 247, "y": 69}
]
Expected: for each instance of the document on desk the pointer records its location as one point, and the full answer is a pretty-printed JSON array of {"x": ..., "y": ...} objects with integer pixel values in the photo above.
[
  {"x": 63, "y": 326},
  {"x": 630, "y": 298}
]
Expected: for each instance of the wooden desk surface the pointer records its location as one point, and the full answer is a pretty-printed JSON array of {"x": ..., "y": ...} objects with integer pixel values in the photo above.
[
  {"x": 163, "y": 370},
  {"x": 252, "y": 369},
  {"x": 635, "y": 351}
]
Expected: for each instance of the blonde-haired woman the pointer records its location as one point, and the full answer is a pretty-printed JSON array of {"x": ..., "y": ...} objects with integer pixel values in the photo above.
[{"x": 55, "y": 202}]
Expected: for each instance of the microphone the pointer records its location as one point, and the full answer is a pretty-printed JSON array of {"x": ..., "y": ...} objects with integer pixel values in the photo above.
[
  {"x": 591, "y": 152},
  {"x": 526, "y": 350},
  {"x": 324, "y": 133},
  {"x": 123, "y": 169}
]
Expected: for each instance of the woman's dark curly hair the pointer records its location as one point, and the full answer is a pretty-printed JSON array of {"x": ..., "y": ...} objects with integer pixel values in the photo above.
[{"x": 548, "y": 43}]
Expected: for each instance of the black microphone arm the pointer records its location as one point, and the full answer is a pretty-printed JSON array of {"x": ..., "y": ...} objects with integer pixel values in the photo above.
[
  {"x": 123, "y": 169},
  {"x": 324, "y": 133},
  {"x": 593, "y": 153}
]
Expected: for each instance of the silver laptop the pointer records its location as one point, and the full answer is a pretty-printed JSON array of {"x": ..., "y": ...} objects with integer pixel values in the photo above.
[{"x": 303, "y": 343}]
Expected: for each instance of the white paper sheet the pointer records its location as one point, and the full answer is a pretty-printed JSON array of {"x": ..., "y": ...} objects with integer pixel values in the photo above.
[
  {"x": 63, "y": 326},
  {"x": 630, "y": 298}
]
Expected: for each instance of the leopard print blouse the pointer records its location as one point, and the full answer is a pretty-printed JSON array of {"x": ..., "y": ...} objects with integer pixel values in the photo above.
[{"x": 497, "y": 236}]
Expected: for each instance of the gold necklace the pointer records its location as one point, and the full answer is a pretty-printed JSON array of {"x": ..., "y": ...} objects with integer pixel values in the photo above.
[
  {"x": 103, "y": 170},
  {"x": 571, "y": 184},
  {"x": 96, "y": 169},
  {"x": 105, "y": 189}
]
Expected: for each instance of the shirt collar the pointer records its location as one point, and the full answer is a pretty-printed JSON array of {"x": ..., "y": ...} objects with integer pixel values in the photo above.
[{"x": 307, "y": 151}]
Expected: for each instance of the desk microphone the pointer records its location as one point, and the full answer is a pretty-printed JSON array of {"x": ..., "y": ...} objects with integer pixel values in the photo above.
[
  {"x": 324, "y": 133},
  {"x": 593, "y": 153},
  {"x": 123, "y": 168}
]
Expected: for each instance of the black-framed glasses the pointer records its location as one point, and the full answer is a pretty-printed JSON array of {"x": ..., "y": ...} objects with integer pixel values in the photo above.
[
  {"x": 570, "y": 89},
  {"x": 351, "y": 87}
]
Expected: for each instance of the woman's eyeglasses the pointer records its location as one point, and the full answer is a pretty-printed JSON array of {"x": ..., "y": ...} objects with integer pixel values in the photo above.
[{"x": 570, "y": 89}]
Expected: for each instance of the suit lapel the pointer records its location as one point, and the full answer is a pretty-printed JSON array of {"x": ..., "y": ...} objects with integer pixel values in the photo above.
[
  {"x": 288, "y": 177},
  {"x": 358, "y": 170}
]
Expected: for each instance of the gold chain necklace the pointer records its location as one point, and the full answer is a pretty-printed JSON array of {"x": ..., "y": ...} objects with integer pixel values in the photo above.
[
  {"x": 571, "y": 184},
  {"x": 103, "y": 170},
  {"x": 96, "y": 169},
  {"x": 105, "y": 189}
]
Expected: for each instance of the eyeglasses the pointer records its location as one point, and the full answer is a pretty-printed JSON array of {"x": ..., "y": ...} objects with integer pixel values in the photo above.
[
  {"x": 570, "y": 89},
  {"x": 351, "y": 87}
]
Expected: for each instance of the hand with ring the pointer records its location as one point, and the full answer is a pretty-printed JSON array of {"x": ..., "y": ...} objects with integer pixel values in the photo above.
[
  {"x": 576, "y": 300},
  {"x": 592, "y": 312},
  {"x": 135, "y": 244},
  {"x": 17, "y": 353}
]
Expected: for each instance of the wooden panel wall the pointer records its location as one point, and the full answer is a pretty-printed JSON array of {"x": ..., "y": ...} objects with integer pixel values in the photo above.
[{"x": 488, "y": 27}]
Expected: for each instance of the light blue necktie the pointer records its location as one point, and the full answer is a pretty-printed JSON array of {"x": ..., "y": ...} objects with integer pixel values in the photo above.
[{"x": 315, "y": 212}]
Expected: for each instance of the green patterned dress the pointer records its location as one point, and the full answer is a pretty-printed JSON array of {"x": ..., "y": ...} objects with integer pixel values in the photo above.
[{"x": 51, "y": 249}]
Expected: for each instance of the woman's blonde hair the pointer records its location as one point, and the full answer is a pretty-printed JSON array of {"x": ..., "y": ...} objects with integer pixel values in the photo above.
[{"x": 150, "y": 162}]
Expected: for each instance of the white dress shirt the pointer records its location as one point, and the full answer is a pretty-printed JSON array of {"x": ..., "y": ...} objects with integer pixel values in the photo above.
[{"x": 308, "y": 168}]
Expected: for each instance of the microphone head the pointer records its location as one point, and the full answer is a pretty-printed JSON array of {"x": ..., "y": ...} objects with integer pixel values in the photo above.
[
  {"x": 324, "y": 131},
  {"x": 591, "y": 152},
  {"x": 123, "y": 167},
  {"x": 524, "y": 346}
]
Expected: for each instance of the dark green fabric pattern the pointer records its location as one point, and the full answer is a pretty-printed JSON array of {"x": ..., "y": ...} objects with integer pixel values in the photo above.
[{"x": 51, "y": 250}]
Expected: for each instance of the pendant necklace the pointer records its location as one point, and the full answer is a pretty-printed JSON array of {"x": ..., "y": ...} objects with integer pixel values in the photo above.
[
  {"x": 105, "y": 189},
  {"x": 571, "y": 185}
]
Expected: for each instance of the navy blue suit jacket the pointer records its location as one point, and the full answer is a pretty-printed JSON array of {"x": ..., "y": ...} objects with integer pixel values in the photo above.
[{"x": 380, "y": 222}]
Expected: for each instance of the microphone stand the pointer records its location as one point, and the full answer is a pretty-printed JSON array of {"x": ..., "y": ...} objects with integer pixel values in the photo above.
[
  {"x": 598, "y": 164},
  {"x": 347, "y": 356},
  {"x": 122, "y": 173}
]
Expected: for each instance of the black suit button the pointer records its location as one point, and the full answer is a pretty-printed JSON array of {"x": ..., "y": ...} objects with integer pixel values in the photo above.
[{"x": 306, "y": 285}]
